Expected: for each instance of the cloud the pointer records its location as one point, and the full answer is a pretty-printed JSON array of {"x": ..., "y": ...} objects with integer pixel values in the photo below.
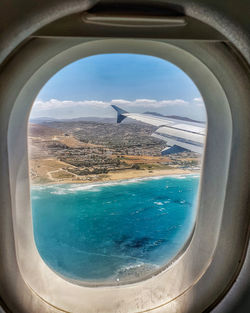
[
  {"x": 66, "y": 104},
  {"x": 69, "y": 104},
  {"x": 199, "y": 102},
  {"x": 174, "y": 102},
  {"x": 69, "y": 108},
  {"x": 197, "y": 99},
  {"x": 146, "y": 103},
  {"x": 120, "y": 101}
]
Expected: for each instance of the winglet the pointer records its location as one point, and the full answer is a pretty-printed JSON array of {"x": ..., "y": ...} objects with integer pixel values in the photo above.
[{"x": 120, "y": 112}]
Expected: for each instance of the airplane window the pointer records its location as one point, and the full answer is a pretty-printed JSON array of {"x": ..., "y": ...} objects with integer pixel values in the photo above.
[{"x": 115, "y": 153}]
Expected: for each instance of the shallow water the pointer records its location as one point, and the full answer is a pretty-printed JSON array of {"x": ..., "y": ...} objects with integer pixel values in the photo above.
[{"x": 113, "y": 231}]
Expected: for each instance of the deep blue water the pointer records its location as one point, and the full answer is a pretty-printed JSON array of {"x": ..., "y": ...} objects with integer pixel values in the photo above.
[{"x": 113, "y": 230}]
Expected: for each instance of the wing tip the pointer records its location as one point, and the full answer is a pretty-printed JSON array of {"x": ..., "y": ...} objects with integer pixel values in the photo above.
[{"x": 120, "y": 112}]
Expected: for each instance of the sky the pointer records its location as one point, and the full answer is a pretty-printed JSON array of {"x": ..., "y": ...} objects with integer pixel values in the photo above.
[{"x": 136, "y": 83}]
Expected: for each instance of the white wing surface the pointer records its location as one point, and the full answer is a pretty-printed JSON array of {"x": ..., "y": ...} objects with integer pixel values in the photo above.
[{"x": 188, "y": 135}]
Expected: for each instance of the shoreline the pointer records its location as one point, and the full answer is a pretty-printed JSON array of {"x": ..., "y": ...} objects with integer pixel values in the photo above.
[{"x": 121, "y": 176}]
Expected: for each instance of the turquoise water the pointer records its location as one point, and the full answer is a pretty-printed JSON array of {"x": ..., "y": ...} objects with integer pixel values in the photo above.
[{"x": 113, "y": 231}]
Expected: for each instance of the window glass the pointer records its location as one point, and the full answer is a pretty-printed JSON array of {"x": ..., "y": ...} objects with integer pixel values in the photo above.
[{"x": 115, "y": 150}]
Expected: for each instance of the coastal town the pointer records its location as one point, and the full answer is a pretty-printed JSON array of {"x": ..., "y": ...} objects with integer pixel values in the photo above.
[{"x": 95, "y": 151}]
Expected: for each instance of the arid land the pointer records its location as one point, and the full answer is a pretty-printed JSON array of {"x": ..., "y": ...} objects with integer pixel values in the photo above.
[{"x": 84, "y": 152}]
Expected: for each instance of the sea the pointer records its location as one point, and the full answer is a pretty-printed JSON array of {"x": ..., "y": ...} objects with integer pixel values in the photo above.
[{"x": 116, "y": 231}]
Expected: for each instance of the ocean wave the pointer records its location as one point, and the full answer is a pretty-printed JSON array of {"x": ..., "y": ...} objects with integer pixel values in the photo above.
[
  {"x": 67, "y": 189},
  {"x": 39, "y": 187},
  {"x": 62, "y": 189},
  {"x": 158, "y": 203},
  {"x": 195, "y": 176},
  {"x": 35, "y": 197},
  {"x": 132, "y": 271},
  {"x": 161, "y": 209},
  {"x": 92, "y": 187},
  {"x": 184, "y": 176},
  {"x": 59, "y": 192}
]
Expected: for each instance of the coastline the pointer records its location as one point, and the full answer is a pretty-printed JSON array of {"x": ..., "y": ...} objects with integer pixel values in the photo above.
[{"x": 120, "y": 176}]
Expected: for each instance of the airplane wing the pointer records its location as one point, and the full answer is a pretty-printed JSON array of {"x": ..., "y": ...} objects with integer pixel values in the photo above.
[{"x": 187, "y": 135}]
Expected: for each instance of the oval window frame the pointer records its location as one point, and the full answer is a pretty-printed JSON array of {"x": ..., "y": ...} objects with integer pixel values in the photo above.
[{"x": 18, "y": 171}]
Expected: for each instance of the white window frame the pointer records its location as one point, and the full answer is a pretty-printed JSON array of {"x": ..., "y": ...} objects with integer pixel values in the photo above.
[{"x": 176, "y": 288}]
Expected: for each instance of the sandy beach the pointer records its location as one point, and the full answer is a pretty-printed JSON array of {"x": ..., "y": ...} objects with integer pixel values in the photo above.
[{"x": 120, "y": 175}]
